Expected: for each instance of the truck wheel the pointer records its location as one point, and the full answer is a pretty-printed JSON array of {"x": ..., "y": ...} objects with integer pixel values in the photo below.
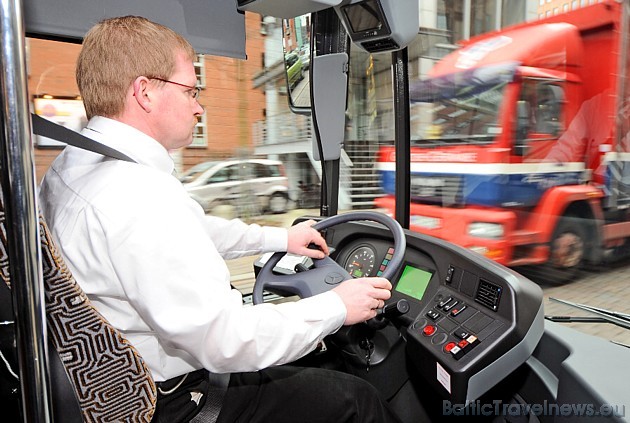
[{"x": 566, "y": 250}]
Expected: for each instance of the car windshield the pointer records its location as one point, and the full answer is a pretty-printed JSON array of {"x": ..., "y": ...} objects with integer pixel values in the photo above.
[{"x": 194, "y": 172}]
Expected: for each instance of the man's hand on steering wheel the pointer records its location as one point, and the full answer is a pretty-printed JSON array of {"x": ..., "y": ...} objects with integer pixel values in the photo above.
[
  {"x": 362, "y": 297},
  {"x": 301, "y": 236}
]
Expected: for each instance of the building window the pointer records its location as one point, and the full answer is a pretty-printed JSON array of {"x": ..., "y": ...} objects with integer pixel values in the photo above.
[
  {"x": 483, "y": 16},
  {"x": 450, "y": 18},
  {"x": 512, "y": 12},
  {"x": 200, "y": 136},
  {"x": 200, "y": 70}
]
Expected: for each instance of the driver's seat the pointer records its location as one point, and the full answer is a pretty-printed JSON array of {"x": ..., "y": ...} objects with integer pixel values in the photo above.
[{"x": 107, "y": 376}]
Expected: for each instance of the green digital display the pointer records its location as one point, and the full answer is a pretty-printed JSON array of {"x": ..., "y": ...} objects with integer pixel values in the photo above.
[{"x": 413, "y": 282}]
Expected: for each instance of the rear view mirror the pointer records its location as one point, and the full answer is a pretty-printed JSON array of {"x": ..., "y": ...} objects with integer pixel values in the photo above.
[
  {"x": 296, "y": 42},
  {"x": 522, "y": 127}
]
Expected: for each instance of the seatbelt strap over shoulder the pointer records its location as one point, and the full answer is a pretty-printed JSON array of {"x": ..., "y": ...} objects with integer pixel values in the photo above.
[{"x": 46, "y": 128}]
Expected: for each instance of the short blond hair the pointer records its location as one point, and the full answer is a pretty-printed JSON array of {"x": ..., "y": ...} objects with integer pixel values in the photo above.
[{"x": 118, "y": 50}]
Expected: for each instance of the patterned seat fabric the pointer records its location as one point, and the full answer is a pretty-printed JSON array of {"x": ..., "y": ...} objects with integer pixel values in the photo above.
[{"x": 110, "y": 379}]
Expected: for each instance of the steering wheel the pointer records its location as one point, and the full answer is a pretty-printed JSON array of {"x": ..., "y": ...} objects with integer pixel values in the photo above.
[{"x": 326, "y": 273}]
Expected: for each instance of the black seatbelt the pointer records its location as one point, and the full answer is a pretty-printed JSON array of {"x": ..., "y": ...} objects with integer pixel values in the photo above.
[{"x": 49, "y": 129}]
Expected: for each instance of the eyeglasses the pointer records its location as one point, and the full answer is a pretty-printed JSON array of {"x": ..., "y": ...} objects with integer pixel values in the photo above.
[{"x": 194, "y": 91}]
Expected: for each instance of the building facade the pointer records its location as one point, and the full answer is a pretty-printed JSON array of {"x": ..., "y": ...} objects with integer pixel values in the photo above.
[
  {"x": 246, "y": 102},
  {"x": 225, "y": 130}
]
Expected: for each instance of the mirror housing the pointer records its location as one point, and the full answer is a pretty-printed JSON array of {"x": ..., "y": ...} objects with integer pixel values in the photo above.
[
  {"x": 523, "y": 123},
  {"x": 380, "y": 26},
  {"x": 285, "y": 8},
  {"x": 330, "y": 85}
]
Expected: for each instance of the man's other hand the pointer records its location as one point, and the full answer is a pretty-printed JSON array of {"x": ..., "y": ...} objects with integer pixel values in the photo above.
[{"x": 362, "y": 297}]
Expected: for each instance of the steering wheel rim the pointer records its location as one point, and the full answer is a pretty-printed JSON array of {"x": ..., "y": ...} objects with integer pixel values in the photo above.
[{"x": 326, "y": 273}]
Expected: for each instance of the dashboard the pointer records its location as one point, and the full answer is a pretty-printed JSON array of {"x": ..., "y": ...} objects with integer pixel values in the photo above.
[
  {"x": 474, "y": 331},
  {"x": 470, "y": 322}
]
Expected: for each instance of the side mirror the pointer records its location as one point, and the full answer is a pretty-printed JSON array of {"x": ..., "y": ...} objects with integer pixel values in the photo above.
[
  {"x": 523, "y": 122},
  {"x": 296, "y": 43}
]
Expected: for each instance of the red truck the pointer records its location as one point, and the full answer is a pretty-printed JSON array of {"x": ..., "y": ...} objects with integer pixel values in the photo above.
[{"x": 521, "y": 150}]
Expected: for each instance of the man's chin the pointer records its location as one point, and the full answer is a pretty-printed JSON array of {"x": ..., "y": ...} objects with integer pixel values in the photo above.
[{"x": 180, "y": 145}]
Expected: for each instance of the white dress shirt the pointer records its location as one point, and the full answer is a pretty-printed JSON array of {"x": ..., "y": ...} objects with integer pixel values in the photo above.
[{"x": 153, "y": 264}]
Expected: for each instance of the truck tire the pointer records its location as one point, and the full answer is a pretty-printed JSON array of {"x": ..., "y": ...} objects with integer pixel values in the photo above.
[{"x": 567, "y": 250}]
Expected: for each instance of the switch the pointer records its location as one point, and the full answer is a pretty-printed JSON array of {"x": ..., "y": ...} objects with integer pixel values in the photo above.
[{"x": 429, "y": 330}]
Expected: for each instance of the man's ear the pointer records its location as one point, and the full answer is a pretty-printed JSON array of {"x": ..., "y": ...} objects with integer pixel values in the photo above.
[{"x": 141, "y": 93}]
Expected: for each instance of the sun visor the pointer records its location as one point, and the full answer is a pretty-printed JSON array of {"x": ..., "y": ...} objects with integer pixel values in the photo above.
[{"x": 212, "y": 27}]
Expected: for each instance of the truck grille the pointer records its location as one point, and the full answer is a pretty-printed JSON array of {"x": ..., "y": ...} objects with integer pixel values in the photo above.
[{"x": 444, "y": 190}]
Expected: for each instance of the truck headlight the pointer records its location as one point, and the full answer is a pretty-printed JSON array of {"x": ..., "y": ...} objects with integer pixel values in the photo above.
[
  {"x": 425, "y": 221},
  {"x": 486, "y": 230}
]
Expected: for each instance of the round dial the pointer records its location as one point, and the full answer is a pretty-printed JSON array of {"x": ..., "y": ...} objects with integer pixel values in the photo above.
[{"x": 360, "y": 262}]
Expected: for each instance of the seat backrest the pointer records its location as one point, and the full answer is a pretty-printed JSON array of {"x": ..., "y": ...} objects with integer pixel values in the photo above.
[{"x": 111, "y": 381}]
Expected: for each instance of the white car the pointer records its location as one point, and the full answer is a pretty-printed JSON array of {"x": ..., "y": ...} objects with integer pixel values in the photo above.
[{"x": 234, "y": 182}]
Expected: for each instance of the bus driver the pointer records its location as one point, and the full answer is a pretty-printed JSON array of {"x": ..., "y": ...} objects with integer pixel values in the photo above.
[{"x": 153, "y": 263}]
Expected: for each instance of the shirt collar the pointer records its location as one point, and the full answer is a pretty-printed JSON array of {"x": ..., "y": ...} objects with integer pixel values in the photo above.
[{"x": 127, "y": 139}]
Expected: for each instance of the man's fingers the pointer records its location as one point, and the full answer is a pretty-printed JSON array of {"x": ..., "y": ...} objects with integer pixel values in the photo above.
[
  {"x": 380, "y": 283},
  {"x": 321, "y": 243},
  {"x": 317, "y": 237}
]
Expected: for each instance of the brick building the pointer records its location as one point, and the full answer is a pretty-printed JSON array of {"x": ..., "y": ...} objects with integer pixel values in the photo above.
[
  {"x": 232, "y": 106},
  {"x": 548, "y": 8}
]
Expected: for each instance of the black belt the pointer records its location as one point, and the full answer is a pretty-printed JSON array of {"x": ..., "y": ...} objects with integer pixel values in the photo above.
[{"x": 182, "y": 398}]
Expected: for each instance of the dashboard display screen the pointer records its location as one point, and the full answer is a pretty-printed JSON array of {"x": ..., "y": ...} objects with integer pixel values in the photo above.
[{"x": 413, "y": 282}]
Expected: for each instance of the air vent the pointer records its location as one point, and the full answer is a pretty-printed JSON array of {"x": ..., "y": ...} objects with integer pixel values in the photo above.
[
  {"x": 384, "y": 44},
  {"x": 488, "y": 294}
]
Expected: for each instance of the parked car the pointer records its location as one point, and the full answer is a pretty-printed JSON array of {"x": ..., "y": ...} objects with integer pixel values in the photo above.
[{"x": 227, "y": 182}]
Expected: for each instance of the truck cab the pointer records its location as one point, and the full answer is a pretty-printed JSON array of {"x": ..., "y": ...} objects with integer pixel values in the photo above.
[{"x": 521, "y": 134}]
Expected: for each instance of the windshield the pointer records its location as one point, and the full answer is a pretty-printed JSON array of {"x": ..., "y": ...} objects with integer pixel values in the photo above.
[
  {"x": 194, "y": 172},
  {"x": 459, "y": 192},
  {"x": 462, "y": 107}
]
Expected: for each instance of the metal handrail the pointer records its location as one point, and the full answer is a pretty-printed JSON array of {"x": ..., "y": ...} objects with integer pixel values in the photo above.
[{"x": 18, "y": 186}]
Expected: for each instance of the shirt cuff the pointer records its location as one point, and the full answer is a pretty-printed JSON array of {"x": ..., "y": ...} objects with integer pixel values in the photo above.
[
  {"x": 326, "y": 307},
  {"x": 275, "y": 239}
]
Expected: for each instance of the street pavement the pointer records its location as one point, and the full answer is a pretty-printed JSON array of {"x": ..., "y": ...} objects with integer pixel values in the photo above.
[{"x": 608, "y": 287}]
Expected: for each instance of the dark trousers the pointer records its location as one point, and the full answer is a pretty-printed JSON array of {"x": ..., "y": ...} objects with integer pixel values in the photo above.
[{"x": 305, "y": 395}]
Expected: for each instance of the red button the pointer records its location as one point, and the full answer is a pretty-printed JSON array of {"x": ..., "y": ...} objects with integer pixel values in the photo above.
[
  {"x": 429, "y": 330},
  {"x": 448, "y": 347},
  {"x": 462, "y": 344}
]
